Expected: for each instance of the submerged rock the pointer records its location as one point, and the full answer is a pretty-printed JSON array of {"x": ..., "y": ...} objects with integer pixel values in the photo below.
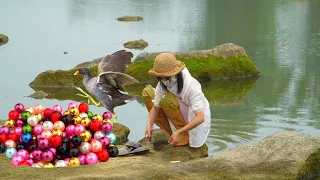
[
  {"x": 3, "y": 39},
  {"x": 130, "y": 18},
  {"x": 136, "y": 44}
]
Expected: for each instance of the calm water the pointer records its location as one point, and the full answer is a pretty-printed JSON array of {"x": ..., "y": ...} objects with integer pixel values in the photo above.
[{"x": 282, "y": 37}]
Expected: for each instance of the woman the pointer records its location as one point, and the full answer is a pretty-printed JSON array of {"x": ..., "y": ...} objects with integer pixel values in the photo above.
[{"x": 177, "y": 97}]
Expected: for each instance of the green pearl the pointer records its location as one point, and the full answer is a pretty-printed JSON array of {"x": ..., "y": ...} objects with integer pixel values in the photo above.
[
  {"x": 26, "y": 129},
  {"x": 25, "y": 115},
  {"x": 90, "y": 114}
]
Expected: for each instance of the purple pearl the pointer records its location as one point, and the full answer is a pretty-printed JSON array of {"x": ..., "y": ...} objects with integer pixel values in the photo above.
[
  {"x": 19, "y": 122},
  {"x": 107, "y": 115},
  {"x": 36, "y": 155},
  {"x": 82, "y": 159},
  {"x": 47, "y": 155},
  {"x": 29, "y": 161},
  {"x": 19, "y": 107},
  {"x": 106, "y": 127},
  {"x": 43, "y": 143},
  {"x": 105, "y": 142},
  {"x": 53, "y": 150},
  {"x": 4, "y": 130}
]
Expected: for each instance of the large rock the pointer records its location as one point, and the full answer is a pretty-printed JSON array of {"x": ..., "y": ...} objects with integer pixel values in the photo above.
[
  {"x": 136, "y": 44},
  {"x": 280, "y": 156},
  {"x": 222, "y": 62},
  {"x": 130, "y": 18},
  {"x": 3, "y": 39},
  {"x": 231, "y": 62}
]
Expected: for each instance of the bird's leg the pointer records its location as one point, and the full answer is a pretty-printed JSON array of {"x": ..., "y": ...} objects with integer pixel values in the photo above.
[
  {"x": 88, "y": 96},
  {"x": 115, "y": 117}
]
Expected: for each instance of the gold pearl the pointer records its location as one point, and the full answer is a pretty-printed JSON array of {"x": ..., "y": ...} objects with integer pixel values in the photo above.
[
  {"x": 48, "y": 165},
  {"x": 77, "y": 120},
  {"x": 74, "y": 111},
  {"x": 107, "y": 120},
  {"x": 57, "y": 132},
  {"x": 85, "y": 121},
  {"x": 74, "y": 162},
  {"x": 9, "y": 123},
  {"x": 86, "y": 136},
  {"x": 97, "y": 117}
]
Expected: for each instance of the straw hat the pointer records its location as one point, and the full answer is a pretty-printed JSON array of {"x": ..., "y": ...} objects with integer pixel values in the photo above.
[{"x": 166, "y": 65}]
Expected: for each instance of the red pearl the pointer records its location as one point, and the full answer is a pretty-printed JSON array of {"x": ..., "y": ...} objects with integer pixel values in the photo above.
[
  {"x": 83, "y": 107},
  {"x": 14, "y": 115}
]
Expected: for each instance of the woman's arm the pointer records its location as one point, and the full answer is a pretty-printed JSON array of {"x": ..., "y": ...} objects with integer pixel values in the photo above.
[
  {"x": 198, "y": 119},
  {"x": 152, "y": 118}
]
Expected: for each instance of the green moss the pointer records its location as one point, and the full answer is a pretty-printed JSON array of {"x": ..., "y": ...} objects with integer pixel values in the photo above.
[
  {"x": 209, "y": 68},
  {"x": 311, "y": 168}
]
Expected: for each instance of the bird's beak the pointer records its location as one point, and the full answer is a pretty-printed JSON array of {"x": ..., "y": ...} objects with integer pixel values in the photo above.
[{"x": 76, "y": 73}]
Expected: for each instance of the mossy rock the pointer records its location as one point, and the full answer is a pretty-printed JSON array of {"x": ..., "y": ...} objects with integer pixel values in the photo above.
[
  {"x": 214, "y": 64},
  {"x": 130, "y": 18},
  {"x": 311, "y": 168},
  {"x": 3, "y": 39},
  {"x": 122, "y": 132},
  {"x": 136, "y": 44},
  {"x": 203, "y": 69}
]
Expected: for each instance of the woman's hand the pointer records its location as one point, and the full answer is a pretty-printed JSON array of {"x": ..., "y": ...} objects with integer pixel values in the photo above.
[
  {"x": 148, "y": 131},
  {"x": 175, "y": 138}
]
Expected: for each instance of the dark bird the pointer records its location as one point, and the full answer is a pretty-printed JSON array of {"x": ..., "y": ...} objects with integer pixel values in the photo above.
[{"x": 109, "y": 83}]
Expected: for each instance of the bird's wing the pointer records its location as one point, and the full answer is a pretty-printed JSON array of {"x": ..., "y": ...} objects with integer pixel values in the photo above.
[
  {"x": 115, "y": 79},
  {"x": 116, "y": 62}
]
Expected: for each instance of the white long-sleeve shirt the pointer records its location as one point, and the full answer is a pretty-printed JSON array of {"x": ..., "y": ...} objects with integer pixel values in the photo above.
[{"x": 194, "y": 98}]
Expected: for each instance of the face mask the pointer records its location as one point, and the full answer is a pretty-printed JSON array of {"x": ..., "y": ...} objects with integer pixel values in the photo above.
[{"x": 171, "y": 82}]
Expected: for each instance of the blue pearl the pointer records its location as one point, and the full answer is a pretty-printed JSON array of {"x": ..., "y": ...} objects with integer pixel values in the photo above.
[
  {"x": 112, "y": 137},
  {"x": 10, "y": 152},
  {"x": 26, "y": 138}
]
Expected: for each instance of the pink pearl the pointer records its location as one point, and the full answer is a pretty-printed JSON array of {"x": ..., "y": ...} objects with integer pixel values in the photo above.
[
  {"x": 79, "y": 129},
  {"x": 91, "y": 158},
  {"x": 16, "y": 159},
  {"x": 37, "y": 129},
  {"x": 18, "y": 130},
  {"x": 23, "y": 153},
  {"x": 71, "y": 105},
  {"x": 57, "y": 107},
  {"x": 70, "y": 130}
]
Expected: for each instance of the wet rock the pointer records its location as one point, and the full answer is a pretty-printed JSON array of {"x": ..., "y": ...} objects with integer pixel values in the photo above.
[
  {"x": 136, "y": 44},
  {"x": 121, "y": 132},
  {"x": 130, "y": 18},
  {"x": 159, "y": 143},
  {"x": 281, "y": 154},
  {"x": 3, "y": 39},
  {"x": 39, "y": 94}
]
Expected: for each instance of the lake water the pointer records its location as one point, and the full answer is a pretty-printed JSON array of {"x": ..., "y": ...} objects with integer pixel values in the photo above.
[{"x": 282, "y": 37}]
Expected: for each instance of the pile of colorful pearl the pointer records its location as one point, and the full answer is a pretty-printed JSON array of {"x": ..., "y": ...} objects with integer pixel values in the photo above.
[{"x": 48, "y": 137}]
